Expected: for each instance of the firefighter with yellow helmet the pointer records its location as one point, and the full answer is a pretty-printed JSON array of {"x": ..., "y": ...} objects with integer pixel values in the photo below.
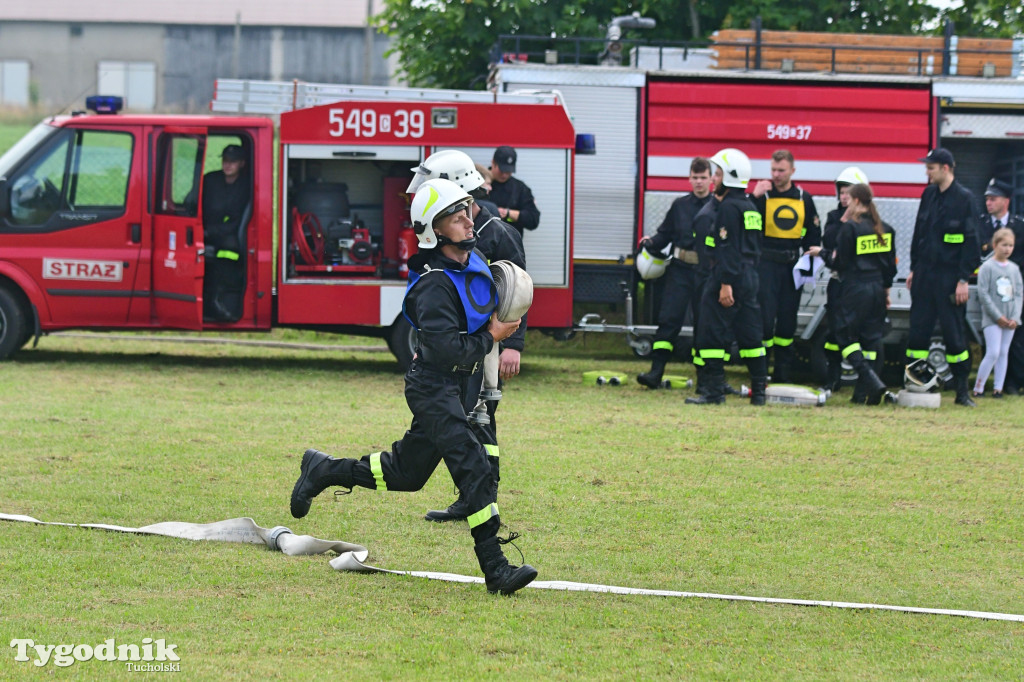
[{"x": 450, "y": 300}]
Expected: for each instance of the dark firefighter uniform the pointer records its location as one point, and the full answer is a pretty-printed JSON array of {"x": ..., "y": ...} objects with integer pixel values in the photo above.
[
  {"x": 496, "y": 240},
  {"x": 449, "y": 304},
  {"x": 944, "y": 251},
  {"x": 703, "y": 242},
  {"x": 516, "y": 194},
  {"x": 1015, "y": 367},
  {"x": 832, "y": 293},
  {"x": 867, "y": 266},
  {"x": 677, "y": 289},
  {"x": 224, "y": 208},
  {"x": 790, "y": 226},
  {"x": 736, "y": 234}
]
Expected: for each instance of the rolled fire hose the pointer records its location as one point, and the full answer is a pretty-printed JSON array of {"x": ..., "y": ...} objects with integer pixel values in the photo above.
[{"x": 353, "y": 557}]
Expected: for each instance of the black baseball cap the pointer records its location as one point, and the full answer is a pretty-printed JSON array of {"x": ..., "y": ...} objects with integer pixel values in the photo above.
[
  {"x": 233, "y": 152},
  {"x": 939, "y": 155},
  {"x": 505, "y": 158},
  {"x": 998, "y": 188}
]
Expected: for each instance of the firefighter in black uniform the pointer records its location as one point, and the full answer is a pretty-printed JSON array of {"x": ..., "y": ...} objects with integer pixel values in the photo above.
[
  {"x": 790, "y": 225},
  {"x": 226, "y": 195},
  {"x": 847, "y": 178},
  {"x": 865, "y": 257},
  {"x": 450, "y": 300},
  {"x": 677, "y": 292},
  {"x": 943, "y": 255},
  {"x": 729, "y": 304},
  {"x": 703, "y": 241},
  {"x": 511, "y": 195},
  {"x": 997, "y": 215},
  {"x": 496, "y": 240}
]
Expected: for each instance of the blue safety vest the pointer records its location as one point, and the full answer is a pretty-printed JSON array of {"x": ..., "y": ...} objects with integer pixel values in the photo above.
[{"x": 476, "y": 289}]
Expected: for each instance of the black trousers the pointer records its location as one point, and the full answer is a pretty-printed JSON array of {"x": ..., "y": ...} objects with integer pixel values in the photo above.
[
  {"x": 1015, "y": 368},
  {"x": 678, "y": 294},
  {"x": 741, "y": 321},
  {"x": 860, "y": 315},
  {"x": 439, "y": 432},
  {"x": 779, "y": 301},
  {"x": 932, "y": 293}
]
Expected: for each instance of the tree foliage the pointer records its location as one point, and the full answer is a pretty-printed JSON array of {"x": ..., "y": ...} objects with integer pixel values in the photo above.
[{"x": 449, "y": 43}]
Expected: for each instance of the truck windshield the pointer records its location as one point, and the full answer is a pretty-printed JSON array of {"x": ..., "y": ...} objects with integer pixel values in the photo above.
[{"x": 32, "y": 139}]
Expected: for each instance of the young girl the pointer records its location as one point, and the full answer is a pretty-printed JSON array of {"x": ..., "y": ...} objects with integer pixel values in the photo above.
[{"x": 1001, "y": 291}]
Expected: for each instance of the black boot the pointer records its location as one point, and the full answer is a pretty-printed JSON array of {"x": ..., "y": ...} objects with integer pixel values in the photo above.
[
  {"x": 456, "y": 511},
  {"x": 961, "y": 370},
  {"x": 783, "y": 373},
  {"x": 835, "y": 371},
  {"x": 318, "y": 472},
  {"x": 714, "y": 390},
  {"x": 869, "y": 385},
  {"x": 499, "y": 575},
  {"x": 758, "y": 385},
  {"x": 702, "y": 381},
  {"x": 652, "y": 379}
]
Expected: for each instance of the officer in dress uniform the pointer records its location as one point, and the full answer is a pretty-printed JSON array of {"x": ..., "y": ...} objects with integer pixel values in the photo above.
[
  {"x": 729, "y": 306},
  {"x": 450, "y": 301},
  {"x": 997, "y": 206},
  {"x": 943, "y": 256},
  {"x": 678, "y": 288},
  {"x": 790, "y": 226}
]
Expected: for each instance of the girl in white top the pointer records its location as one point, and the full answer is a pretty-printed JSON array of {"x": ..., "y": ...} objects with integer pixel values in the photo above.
[{"x": 1001, "y": 291}]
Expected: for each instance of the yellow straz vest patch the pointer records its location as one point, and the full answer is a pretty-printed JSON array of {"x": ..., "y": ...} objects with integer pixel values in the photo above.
[
  {"x": 871, "y": 243},
  {"x": 784, "y": 218}
]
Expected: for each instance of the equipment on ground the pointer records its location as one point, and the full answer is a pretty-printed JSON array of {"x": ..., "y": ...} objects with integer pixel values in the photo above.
[{"x": 792, "y": 394}]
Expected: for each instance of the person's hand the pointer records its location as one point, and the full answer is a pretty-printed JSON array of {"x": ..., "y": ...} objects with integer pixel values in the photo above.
[
  {"x": 508, "y": 363},
  {"x": 814, "y": 251},
  {"x": 725, "y": 296},
  {"x": 961, "y": 293},
  {"x": 501, "y": 330},
  {"x": 888, "y": 300},
  {"x": 761, "y": 187},
  {"x": 645, "y": 242},
  {"x": 910, "y": 278}
]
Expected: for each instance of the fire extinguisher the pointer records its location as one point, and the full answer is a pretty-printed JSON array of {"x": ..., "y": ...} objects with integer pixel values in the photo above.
[{"x": 407, "y": 246}]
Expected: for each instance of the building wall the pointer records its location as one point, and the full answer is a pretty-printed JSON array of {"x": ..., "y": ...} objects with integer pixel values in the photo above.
[{"x": 64, "y": 57}]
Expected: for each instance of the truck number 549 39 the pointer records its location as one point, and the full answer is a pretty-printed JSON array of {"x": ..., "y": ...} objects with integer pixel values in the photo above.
[{"x": 368, "y": 123}]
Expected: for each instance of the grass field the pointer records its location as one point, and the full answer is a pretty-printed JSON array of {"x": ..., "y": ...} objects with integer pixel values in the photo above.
[{"x": 613, "y": 485}]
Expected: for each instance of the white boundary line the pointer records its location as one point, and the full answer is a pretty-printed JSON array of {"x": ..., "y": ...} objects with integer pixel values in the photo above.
[{"x": 353, "y": 558}]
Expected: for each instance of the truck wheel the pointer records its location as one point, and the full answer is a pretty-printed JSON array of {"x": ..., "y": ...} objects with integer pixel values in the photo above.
[
  {"x": 402, "y": 342},
  {"x": 12, "y": 324},
  {"x": 642, "y": 346}
]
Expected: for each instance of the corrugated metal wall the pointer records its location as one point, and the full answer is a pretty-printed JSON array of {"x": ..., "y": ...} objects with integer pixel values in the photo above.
[{"x": 194, "y": 56}]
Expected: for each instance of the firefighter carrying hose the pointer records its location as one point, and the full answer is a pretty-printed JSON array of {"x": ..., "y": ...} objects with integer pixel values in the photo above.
[
  {"x": 496, "y": 240},
  {"x": 450, "y": 301},
  {"x": 865, "y": 257},
  {"x": 729, "y": 307}
]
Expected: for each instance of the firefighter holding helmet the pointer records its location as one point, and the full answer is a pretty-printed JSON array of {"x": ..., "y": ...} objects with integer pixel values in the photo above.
[
  {"x": 450, "y": 300},
  {"x": 729, "y": 307}
]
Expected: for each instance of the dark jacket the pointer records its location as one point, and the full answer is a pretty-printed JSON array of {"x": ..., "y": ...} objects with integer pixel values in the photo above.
[
  {"x": 737, "y": 237},
  {"x": 514, "y": 193},
  {"x": 677, "y": 226},
  {"x": 223, "y": 206},
  {"x": 946, "y": 231},
  {"x": 860, "y": 253},
  {"x": 434, "y": 307}
]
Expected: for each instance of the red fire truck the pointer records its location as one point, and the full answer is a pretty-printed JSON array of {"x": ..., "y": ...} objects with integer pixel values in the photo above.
[{"x": 101, "y": 223}]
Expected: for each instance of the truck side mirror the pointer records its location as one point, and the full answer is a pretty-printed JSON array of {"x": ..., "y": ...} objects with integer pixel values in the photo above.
[{"x": 5, "y": 197}]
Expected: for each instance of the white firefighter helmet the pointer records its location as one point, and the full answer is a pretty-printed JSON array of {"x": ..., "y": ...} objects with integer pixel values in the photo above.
[
  {"x": 920, "y": 377},
  {"x": 651, "y": 265},
  {"x": 735, "y": 167},
  {"x": 435, "y": 199},
  {"x": 448, "y": 164},
  {"x": 851, "y": 176}
]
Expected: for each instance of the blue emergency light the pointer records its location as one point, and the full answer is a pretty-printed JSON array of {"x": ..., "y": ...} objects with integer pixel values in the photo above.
[{"x": 104, "y": 104}]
